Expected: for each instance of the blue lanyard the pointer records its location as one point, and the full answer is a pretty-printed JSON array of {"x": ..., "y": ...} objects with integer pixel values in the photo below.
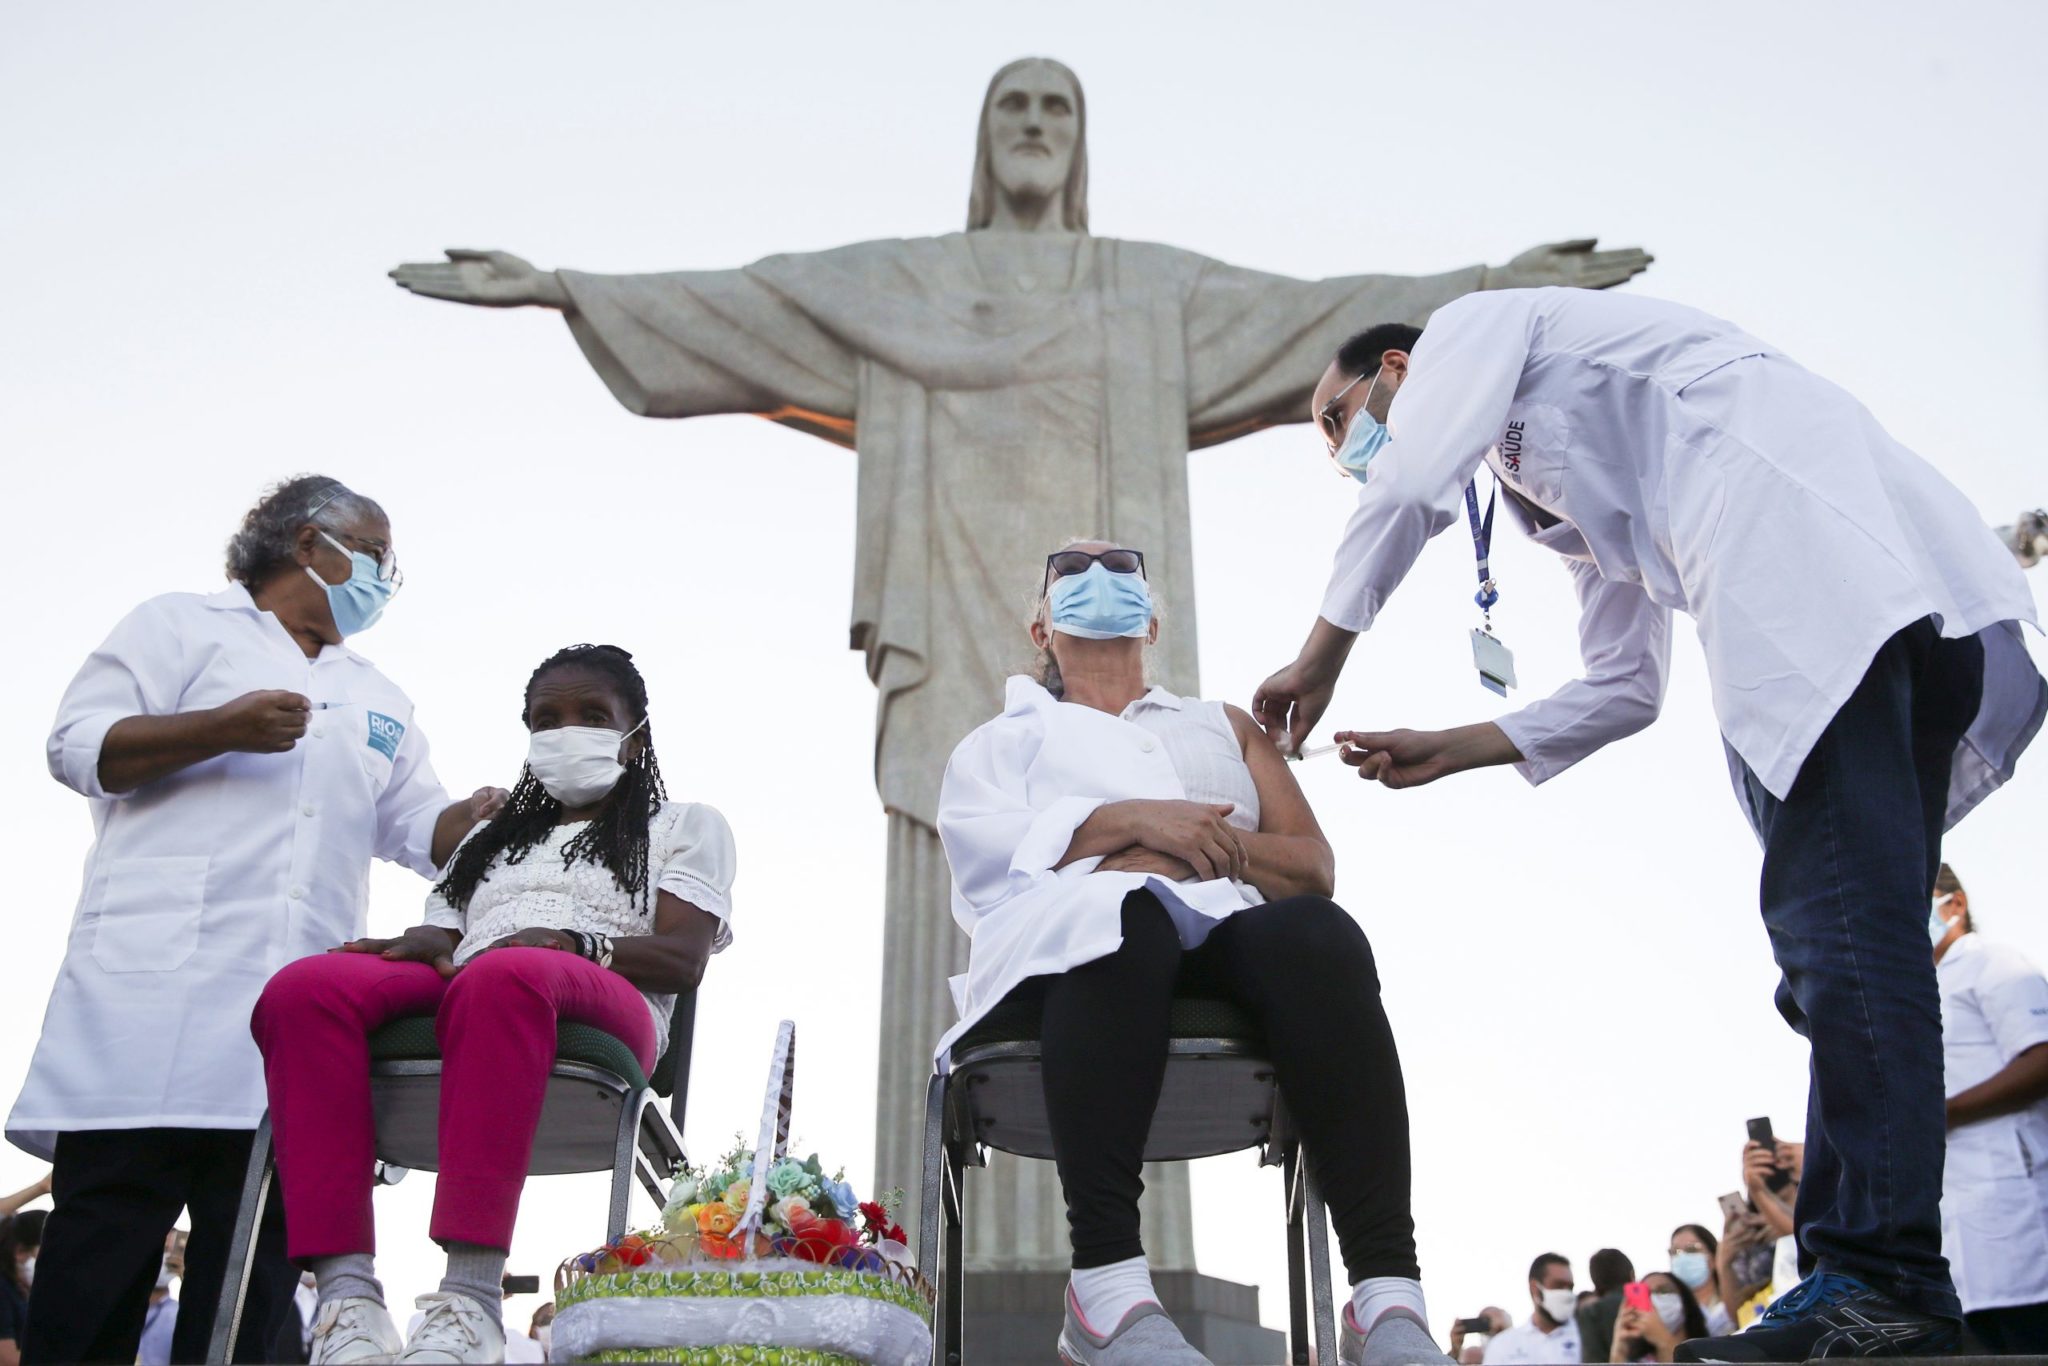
[{"x": 1482, "y": 543}]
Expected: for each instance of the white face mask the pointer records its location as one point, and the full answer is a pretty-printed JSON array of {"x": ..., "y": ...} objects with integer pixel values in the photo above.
[
  {"x": 577, "y": 764},
  {"x": 1561, "y": 1305},
  {"x": 1671, "y": 1309},
  {"x": 28, "y": 1270},
  {"x": 545, "y": 1336}
]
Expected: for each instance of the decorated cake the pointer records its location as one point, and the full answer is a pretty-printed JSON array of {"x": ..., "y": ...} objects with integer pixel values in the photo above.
[{"x": 759, "y": 1258}]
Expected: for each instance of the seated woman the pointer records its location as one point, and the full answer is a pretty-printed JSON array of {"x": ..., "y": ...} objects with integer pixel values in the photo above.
[
  {"x": 1675, "y": 1316},
  {"x": 1110, "y": 841},
  {"x": 591, "y": 897}
]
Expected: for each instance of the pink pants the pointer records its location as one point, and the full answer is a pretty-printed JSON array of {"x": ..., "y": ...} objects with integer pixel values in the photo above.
[{"x": 495, "y": 1021}]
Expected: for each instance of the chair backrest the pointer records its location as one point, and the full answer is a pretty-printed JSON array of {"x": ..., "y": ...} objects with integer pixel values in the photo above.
[{"x": 671, "y": 1074}]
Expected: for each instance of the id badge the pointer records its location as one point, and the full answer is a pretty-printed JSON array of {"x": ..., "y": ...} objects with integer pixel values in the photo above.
[{"x": 1495, "y": 662}]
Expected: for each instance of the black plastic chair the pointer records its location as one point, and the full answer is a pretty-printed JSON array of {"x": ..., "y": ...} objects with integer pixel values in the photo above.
[
  {"x": 1219, "y": 1096},
  {"x": 600, "y": 1113}
]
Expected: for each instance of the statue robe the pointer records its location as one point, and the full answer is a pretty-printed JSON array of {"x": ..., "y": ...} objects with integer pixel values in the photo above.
[{"x": 1003, "y": 391}]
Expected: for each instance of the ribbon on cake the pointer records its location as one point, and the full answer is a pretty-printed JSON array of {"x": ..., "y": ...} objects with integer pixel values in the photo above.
[{"x": 773, "y": 1143}]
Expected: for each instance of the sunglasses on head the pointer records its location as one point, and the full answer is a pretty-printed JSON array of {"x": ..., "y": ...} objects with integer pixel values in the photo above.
[{"x": 1062, "y": 563}]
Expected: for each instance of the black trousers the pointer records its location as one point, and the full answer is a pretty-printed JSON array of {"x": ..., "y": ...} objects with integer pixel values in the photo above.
[
  {"x": 1303, "y": 970},
  {"x": 2021, "y": 1330},
  {"x": 116, "y": 1194}
]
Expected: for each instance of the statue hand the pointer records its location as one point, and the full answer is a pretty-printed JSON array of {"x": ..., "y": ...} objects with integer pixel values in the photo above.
[
  {"x": 494, "y": 279},
  {"x": 1572, "y": 263}
]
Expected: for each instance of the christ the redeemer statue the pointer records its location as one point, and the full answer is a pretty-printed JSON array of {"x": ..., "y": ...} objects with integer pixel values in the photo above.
[{"x": 1004, "y": 388}]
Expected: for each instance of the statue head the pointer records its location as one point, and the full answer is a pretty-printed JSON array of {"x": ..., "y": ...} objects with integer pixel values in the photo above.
[{"x": 1033, "y": 143}]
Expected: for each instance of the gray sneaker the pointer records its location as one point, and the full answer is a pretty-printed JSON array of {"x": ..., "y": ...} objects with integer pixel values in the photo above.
[
  {"x": 1146, "y": 1337},
  {"x": 1397, "y": 1338}
]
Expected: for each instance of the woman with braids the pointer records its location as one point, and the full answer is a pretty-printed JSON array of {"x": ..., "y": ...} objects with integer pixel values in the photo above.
[
  {"x": 243, "y": 765},
  {"x": 591, "y": 897}
]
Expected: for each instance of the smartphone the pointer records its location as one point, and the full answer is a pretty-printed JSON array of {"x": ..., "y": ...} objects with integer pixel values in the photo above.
[
  {"x": 1478, "y": 1325},
  {"x": 1734, "y": 1203},
  {"x": 522, "y": 1285},
  {"x": 1636, "y": 1295},
  {"x": 1760, "y": 1132}
]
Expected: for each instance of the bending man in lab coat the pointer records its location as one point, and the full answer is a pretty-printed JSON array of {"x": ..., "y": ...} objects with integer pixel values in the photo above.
[{"x": 1861, "y": 629}]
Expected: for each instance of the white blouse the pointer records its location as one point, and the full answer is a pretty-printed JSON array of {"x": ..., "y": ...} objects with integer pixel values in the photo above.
[
  {"x": 1018, "y": 787},
  {"x": 689, "y": 855}
]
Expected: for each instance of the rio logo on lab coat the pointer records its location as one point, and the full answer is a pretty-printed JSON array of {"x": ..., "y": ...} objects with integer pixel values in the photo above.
[{"x": 385, "y": 733}]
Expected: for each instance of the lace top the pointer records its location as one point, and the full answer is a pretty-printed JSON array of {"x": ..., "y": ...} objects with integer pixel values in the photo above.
[{"x": 689, "y": 854}]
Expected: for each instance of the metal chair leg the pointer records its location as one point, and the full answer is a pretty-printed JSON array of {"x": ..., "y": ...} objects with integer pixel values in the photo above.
[
  {"x": 931, "y": 1177},
  {"x": 954, "y": 1297},
  {"x": 1297, "y": 1268},
  {"x": 1319, "y": 1262},
  {"x": 623, "y": 1155},
  {"x": 234, "y": 1281}
]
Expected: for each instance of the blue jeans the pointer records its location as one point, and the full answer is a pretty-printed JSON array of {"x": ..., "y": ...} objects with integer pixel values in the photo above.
[{"x": 1850, "y": 857}]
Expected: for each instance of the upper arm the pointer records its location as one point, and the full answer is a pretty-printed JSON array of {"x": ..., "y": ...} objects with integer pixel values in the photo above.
[
  {"x": 695, "y": 927},
  {"x": 137, "y": 671},
  {"x": 2014, "y": 996},
  {"x": 1283, "y": 810},
  {"x": 410, "y": 805},
  {"x": 1622, "y": 633},
  {"x": 698, "y": 862}
]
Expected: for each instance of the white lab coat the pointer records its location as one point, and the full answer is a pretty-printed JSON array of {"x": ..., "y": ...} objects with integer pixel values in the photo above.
[
  {"x": 199, "y": 886},
  {"x": 1014, "y": 793},
  {"x": 1682, "y": 465},
  {"x": 1994, "y": 1194}
]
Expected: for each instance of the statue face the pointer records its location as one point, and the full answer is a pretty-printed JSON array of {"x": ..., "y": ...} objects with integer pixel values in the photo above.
[{"x": 1033, "y": 125}]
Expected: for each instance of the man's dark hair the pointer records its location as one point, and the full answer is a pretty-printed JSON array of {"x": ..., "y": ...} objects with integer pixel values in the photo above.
[
  {"x": 1610, "y": 1269},
  {"x": 1361, "y": 355},
  {"x": 1544, "y": 1263},
  {"x": 615, "y": 839}
]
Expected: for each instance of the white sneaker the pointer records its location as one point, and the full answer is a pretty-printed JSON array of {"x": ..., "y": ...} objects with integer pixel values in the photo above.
[
  {"x": 454, "y": 1328},
  {"x": 355, "y": 1328}
]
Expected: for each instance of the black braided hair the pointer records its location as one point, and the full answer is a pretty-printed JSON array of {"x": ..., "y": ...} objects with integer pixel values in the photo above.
[{"x": 616, "y": 838}]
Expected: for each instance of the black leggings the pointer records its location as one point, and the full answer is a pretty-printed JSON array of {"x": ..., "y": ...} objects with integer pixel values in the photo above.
[{"x": 1302, "y": 969}]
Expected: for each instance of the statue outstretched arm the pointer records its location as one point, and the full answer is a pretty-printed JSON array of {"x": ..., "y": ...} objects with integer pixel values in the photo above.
[
  {"x": 1257, "y": 342},
  {"x": 681, "y": 344},
  {"x": 492, "y": 279}
]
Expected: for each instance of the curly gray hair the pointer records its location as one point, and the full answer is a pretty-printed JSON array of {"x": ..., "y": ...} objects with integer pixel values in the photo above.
[{"x": 269, "y": 534}]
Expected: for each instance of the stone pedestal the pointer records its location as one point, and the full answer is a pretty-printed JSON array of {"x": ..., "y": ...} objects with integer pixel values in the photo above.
[{"x": 1014, "y": 1317}]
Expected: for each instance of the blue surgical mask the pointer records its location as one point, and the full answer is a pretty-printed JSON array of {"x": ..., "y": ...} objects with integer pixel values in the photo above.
[
  {"x": 1692, "y": 1268},
  {"x": 1365, "y": 438},
  {"x": 1099, "y": 605},
  {"x": 1937, "y": 919},
  {"x": 358, "y": 600}
]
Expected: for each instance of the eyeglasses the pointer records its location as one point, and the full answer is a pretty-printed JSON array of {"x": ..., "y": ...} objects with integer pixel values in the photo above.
[
  {"x": 1327, "y": 417},
  {"x": 1062, "y": 563},
  {"x": 384, "y": 555}
]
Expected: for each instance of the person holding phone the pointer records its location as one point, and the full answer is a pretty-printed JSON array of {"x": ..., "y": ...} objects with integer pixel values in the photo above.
[{"x": 1657, "y": 1313}]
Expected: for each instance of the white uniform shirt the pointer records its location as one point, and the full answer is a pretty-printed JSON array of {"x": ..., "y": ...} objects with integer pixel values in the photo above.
[
  {"x": 1690, "y": 467},
  {"x": 1014, "y": 793},
  {"x": 1526, "y": 1343},
  {"x": 201, "y": 885},
  {"x": 690, "y": 855},
  {"x": 1994, "y": 1195}
]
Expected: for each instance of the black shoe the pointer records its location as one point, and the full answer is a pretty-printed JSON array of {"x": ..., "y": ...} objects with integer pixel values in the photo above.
[{"x": 1831, "y": 1316}]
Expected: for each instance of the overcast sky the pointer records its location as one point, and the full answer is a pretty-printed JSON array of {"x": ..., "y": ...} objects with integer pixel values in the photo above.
[{"x": 200, "y": 203}]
